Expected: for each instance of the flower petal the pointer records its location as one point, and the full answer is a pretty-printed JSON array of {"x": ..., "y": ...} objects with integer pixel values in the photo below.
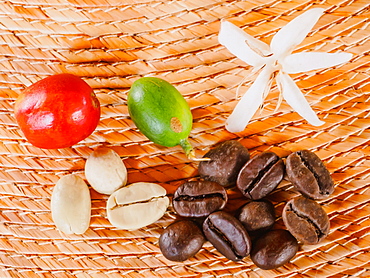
[
  {"x": 306, "y": 61},
  {"x": 294, "y": 32},
  {"x": 295, "y": 98},
  {"x": 239, "y": 43},
  {"x": 249, "y": 103}
]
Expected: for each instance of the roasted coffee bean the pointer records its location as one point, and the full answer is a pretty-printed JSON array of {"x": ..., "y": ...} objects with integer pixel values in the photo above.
[
  {"x": 308, "y": 174},
  {"x": 225, "y": 162},
  {"x": 306, "y": 220},
  {"x": 199, "y": 198},
  {"x": 274, "y": 249},
  {"x": 260, "y": 175},
  {"x": 227, "y": 235},
  {"x": 181, "y": 240},
  {"x": 257, "y": 216}
]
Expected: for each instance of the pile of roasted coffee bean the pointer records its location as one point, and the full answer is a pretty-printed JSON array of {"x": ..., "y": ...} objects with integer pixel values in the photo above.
[{"x": 249, "y": 231}]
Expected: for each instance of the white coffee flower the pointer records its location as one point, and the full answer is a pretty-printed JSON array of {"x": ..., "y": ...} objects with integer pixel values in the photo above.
[{"x": 277, "y": 60}]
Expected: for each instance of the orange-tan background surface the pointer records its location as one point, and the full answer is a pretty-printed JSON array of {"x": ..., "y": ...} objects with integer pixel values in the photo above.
[{"x": 110, "y": 44}]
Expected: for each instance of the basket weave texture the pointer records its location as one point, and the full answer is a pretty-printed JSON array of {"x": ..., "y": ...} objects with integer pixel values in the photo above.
[{"x": 112, "y": 43}]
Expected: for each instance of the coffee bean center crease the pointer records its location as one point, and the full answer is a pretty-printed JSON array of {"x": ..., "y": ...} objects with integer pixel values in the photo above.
[
  {"x": 318, "y": 231},
  {"x": 117, "y": 205},
  {"x": 314, "y": 172},
  {"x": 260, "y": 176},
  {"x": 199, "y": 197},
  {"x": 224, "y": 238}
]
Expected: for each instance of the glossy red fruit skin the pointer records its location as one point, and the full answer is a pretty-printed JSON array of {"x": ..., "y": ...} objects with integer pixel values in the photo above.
[{"x": 57, "y": 111}]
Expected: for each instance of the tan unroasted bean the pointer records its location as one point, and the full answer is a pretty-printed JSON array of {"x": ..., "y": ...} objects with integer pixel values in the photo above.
[
  {"x": 105, "y": 171},
  {"x": 71, "y": 205},
  {"x": 137, "y": 205}
]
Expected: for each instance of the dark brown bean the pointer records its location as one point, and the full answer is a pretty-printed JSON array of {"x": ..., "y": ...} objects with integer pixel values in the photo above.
[
  {"x": 181, "y": 240},
  {"x": 306, "y": 220},
  {"x": 227, "y": 235},
  {"x": 225, "y": 162},
  {"x": 199, "y": 198},
  {"x": 274, "y": 249},
  {"x": 257, "y": 216},
  {"x": 308, "y": 174},
  {"x": 260, "y": 175}
]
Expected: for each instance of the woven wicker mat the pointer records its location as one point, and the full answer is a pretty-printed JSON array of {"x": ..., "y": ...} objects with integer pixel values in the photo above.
[{"x": 112, "y": 43}]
